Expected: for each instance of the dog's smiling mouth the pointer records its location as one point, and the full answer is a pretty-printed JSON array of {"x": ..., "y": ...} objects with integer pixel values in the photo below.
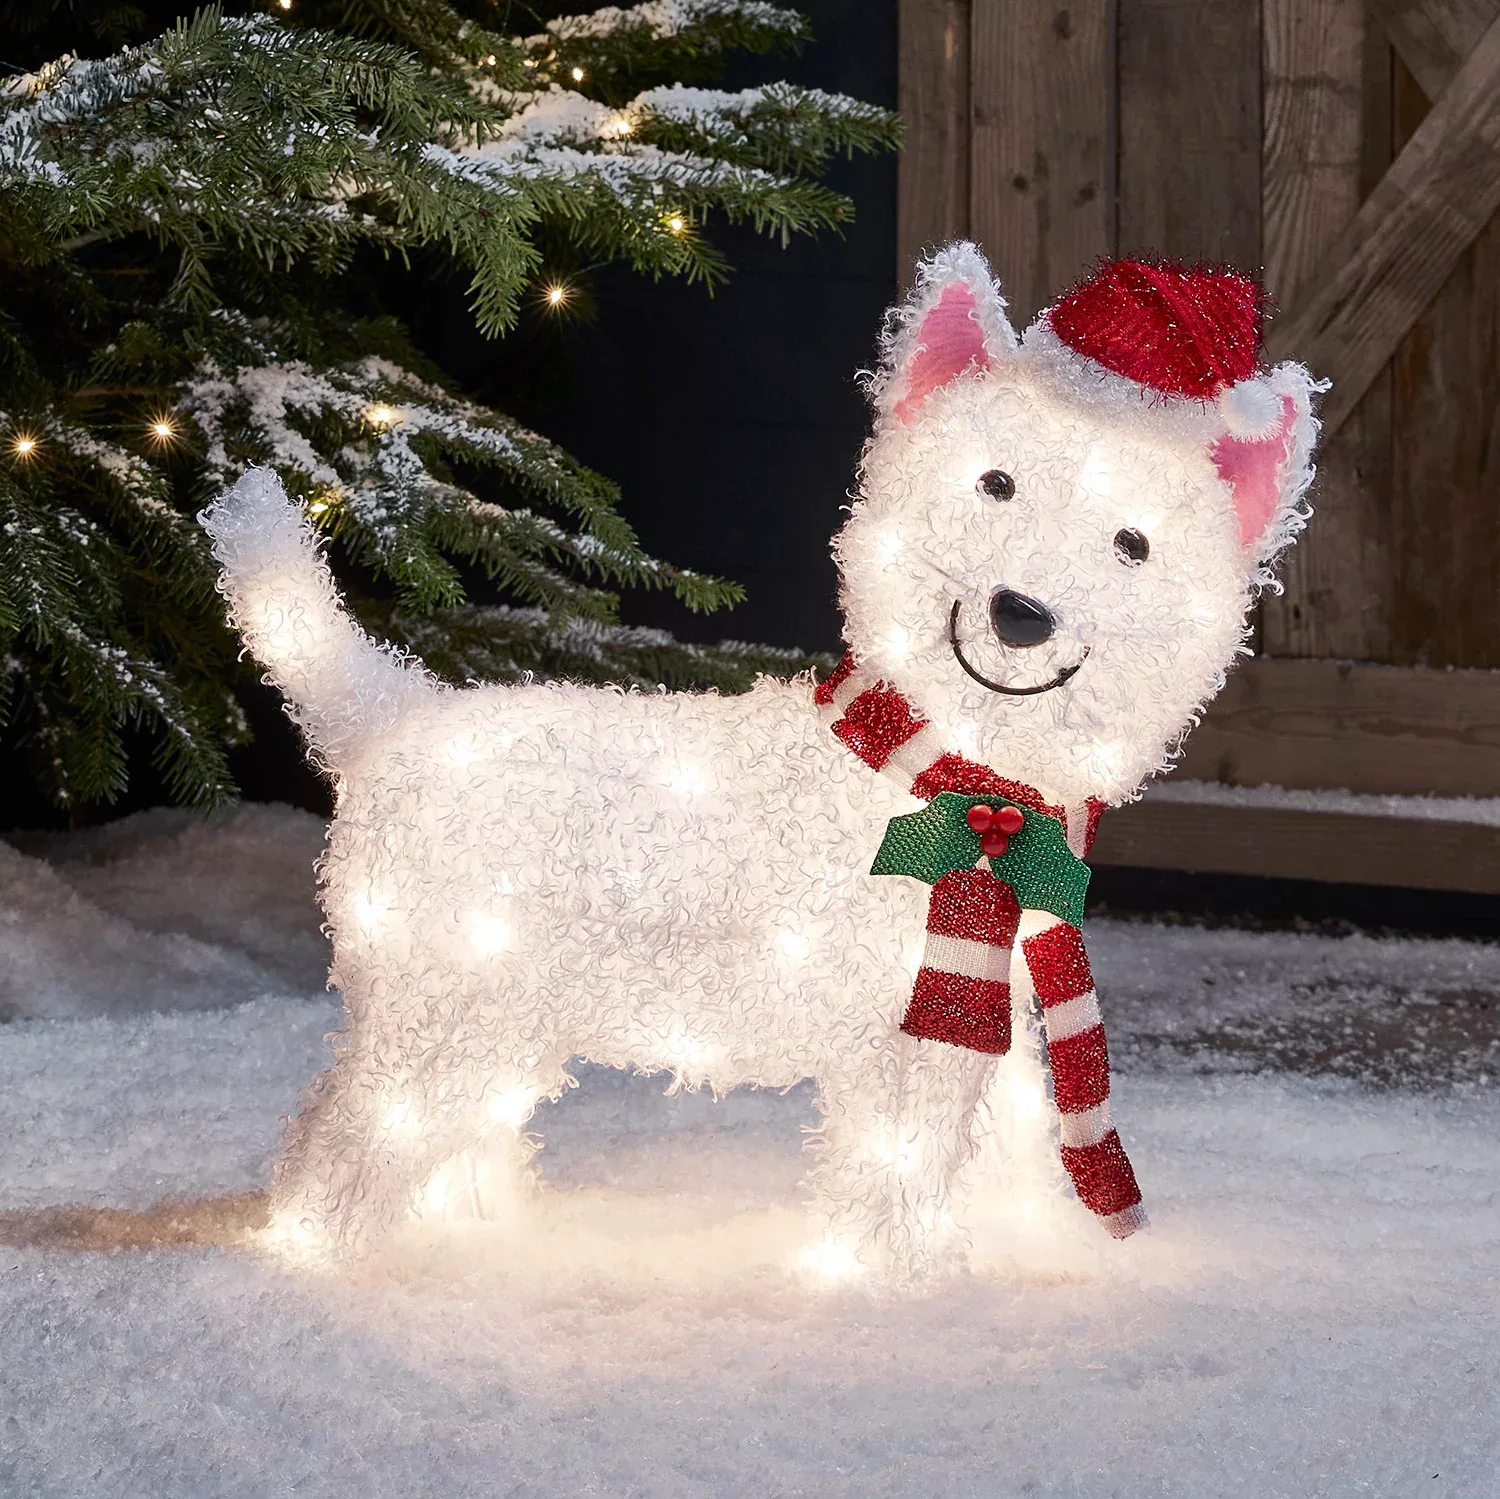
[{"x": 1065, "y": 675}]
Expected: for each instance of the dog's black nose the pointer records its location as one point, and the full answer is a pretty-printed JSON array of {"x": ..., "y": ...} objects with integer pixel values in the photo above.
[{"x": 1018, "y": 620}]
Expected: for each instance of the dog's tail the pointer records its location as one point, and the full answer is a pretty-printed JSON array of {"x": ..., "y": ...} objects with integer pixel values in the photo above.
[{"x": 342, "y": 686}]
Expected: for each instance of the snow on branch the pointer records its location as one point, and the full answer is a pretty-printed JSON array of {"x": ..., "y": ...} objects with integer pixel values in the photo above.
[
  {"x": 370, "y": 448},
  {"x": 661, "y": 20}
]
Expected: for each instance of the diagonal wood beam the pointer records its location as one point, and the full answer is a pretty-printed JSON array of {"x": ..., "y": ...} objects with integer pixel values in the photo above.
[
  {"x": 1434, "y": 36},
  {"x": 1392, "y": 260}
]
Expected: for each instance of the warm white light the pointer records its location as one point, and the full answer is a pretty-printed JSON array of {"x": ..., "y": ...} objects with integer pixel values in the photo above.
[
  {"x": 688, "y": 780},
  {"x": 23, "y": 445},
  {"x": 1025, "y": 1096},
  {"x": 370, "y": 910},
  {"x": 489, "y": 62},
  {"x": 794, "y": 946},
  {"x": 676, "y": 223},
  {"x": 435, "y": 1193},
  {"x": 285, "y": 4},
  {"x": 896, "y": 645},
  {"x": 831, "y": 1259},
  {"x": 685, "y": 1049},
  {"x": 162, "y": 430},
  {"x": 556, "y": 295},
  {"x": 1106, "y": 760},
  {"x": 462, "y": 751},
  {"x": 578, "y": 75},
  {"x": 488, "y": 933},
  {"x": 382, "y": 416},
  {"x": 620, "y": 125},
  {"x": 513, "y": 1107},
  {"x": 1096, "y": 477}
]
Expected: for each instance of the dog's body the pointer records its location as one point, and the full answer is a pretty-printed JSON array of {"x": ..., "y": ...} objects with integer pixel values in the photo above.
[{"x": 519, "y": 875}]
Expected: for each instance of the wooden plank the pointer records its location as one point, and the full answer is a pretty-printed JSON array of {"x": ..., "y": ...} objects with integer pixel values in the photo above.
[
  {"x": 1434, "y": 36},
  {"x": 1190, "y": 130},
  {"x": 932, "y": 193},
  {"x": 1314, "y": 124},
  {"x": 1322, "y": 78},
  {"x": 1042, "y": 148},
  {"x": 1335, "y": 847},
  {"x": 1326, "y": 725},
  {"x": 1446, "y": 431},
  {"x": 1389, "y": 264}
]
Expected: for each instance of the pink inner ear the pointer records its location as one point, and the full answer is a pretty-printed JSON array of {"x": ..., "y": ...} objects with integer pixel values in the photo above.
[
  {"x": 949, "y": 341},
  {"x": 1252, "y": 471}
]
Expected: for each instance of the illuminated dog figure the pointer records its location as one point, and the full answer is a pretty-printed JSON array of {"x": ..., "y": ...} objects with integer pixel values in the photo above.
[{"x": 1044, "y": 577}]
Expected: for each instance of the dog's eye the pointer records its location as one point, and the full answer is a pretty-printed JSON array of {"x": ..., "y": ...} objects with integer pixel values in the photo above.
[
  {"x": 996, "y": 484},
  {"x": 1131, "y": 547}
]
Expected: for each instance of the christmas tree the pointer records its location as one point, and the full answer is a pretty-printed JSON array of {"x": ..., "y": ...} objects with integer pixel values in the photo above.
[{"x": 194, "y": 224}]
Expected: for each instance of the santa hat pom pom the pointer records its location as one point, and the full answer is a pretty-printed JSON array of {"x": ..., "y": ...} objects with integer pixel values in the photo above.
[{"x": 1250, "y": 409}]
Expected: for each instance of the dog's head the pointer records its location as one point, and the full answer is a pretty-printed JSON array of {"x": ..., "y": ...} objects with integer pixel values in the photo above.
[{"x": 1058, "y": 537}]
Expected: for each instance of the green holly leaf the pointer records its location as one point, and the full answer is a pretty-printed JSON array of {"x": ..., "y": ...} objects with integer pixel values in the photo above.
[{"x": 1037, "y": 864}]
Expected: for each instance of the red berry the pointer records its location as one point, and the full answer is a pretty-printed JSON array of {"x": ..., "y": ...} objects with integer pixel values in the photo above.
[
  {"x": 1010, "y": 820},
  {"x": 994, "y": 843},
  {"x": 979, "y": 818}
]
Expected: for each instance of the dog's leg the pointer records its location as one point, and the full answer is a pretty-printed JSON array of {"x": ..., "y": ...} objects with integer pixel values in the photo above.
[
  {"x": 894, "y": 1136},
  {"x": 368, "y": 1150}
]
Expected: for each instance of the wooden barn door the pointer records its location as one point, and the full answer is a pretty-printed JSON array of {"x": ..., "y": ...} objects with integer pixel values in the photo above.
[{"x": 1350, "y": 151}]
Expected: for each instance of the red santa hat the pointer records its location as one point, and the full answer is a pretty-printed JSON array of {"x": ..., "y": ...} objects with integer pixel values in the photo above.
[{"x": 1184, "y": 332}]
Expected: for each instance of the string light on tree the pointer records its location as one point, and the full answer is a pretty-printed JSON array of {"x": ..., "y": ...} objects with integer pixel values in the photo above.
[
  {"x": 556, "y": 295},
  {"x": 381, "y": 416},
  {"x": 675, "y": 223},
  {"x": 578, "y": 75},
  {"x": 24, "y": 445},
  {"x": 162, "y": 431}
]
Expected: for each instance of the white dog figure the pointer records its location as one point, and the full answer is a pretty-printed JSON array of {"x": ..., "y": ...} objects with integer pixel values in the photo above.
[{"x": 1045, "y": 575}]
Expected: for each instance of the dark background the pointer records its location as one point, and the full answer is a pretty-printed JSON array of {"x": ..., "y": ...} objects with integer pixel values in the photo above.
[{"x": 732, "y": 421}]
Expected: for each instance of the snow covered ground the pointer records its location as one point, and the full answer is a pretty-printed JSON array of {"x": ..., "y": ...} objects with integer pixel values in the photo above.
[{"x": 1316, "y": 1310}]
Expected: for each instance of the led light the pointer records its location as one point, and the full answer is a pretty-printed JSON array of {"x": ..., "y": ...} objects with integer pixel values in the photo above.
[
  {"x": 831, "y": 1259},
  {"x": 896, "y": 646},
  {"x": 688, "y": 780},
  {"x": 162, "y": 430},
  {"x": 793, "y": 945},
  {"x": 1095, "y": 478},
  {"x": 284, "y": 4},
  {"x": 370, "y": 910},
  {"x": 685, "y": 1049},
  {"x": 577, "y": 75},
  {"x": 676, "y": 223},
  {"x": 461, "y": 750},
  {"x": 620, "y": 125},
  {"x": 557, "y": 294},
  {"x": 488, "y": 933},
  {"x": 23, "y": 445},
  {"x": 382, "y": 416},
  {"x": 489, "y": 62},
  {"x": 513, "y": 1107}
]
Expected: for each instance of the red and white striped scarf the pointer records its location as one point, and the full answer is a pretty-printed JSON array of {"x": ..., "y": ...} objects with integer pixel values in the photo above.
[{"x": 963, "y": 989}]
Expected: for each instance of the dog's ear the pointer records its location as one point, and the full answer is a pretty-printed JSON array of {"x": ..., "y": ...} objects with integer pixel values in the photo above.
[
  {"x": 1265, "y": 456},
  {"x": 953, "y": 324}
]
